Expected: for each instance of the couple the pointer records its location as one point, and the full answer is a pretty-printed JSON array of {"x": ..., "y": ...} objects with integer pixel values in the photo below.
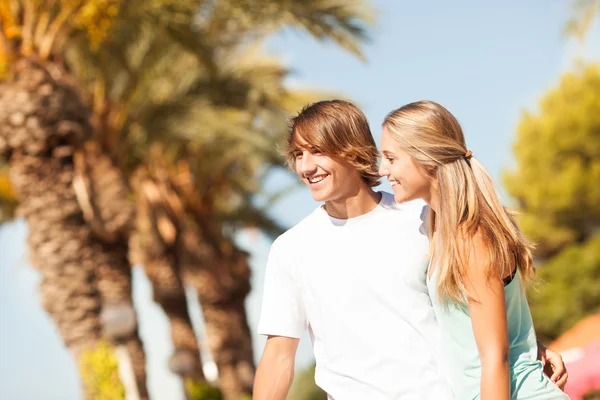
[{"x": 415, "y": 295}]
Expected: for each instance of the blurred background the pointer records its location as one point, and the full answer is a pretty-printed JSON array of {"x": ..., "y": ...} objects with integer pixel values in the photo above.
[{"x": 141, "y": 184}]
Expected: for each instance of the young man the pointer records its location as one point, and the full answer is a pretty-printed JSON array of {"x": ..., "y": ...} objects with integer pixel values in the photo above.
[{"x": 352, "y": 273}]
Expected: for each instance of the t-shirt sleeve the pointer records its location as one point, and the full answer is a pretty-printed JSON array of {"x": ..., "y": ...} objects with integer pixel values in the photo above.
[{"x": 282, "y": 313}]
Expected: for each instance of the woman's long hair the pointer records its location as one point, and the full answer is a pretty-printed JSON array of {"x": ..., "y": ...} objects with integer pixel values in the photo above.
[{"x": 468, "y": 202}]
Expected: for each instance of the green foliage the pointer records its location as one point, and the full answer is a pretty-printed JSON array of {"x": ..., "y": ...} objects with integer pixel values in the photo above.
[
  {"x": 94, "y": 17},
  {"x": 192, "y": 76},
  {"x": 556, "y": 186},
  {"x": 201, "y": 88},
  {"x": 304, "y": 387},
  {"x": 201, "y": 391},
  {"x": 569, "y": 289},
  {"x": 33, "y": 26},
  {"x": 558, "y": 164},
  {"x": 99, "y": 371}
]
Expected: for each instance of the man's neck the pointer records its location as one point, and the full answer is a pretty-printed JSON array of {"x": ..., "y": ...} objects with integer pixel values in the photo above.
[{"x": 359, "y": 203}]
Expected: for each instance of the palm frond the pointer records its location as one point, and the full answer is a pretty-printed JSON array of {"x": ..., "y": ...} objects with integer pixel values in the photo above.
[
  {"x": 583, "y": 14},
  {"x": 250, "y": 217},
  {"x": 194, "y": 78},
  {"x": 341, "y": 21}
]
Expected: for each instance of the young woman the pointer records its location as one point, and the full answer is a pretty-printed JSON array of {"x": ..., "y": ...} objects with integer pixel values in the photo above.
[{"x": 480, "y": 261}]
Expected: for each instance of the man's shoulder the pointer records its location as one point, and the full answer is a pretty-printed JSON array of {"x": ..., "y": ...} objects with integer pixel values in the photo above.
[
  {"x": 299, "y": 232},
  {"x": 406, "y": 216},
  {"x": 414, "y": 207}
]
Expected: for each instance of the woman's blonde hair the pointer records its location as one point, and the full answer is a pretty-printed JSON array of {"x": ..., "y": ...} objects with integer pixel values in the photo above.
[
  {"x": 336, "y": 128},
  {"x": 468, "y": 202}
]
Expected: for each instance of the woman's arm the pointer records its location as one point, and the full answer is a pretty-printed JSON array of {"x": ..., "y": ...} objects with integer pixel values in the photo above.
[{"x": 488, "y": 319}]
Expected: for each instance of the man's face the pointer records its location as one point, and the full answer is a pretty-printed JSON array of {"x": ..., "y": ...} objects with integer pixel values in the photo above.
[
  {"x": 409, "y": 181},
  {"x": 329, "y": 178}
]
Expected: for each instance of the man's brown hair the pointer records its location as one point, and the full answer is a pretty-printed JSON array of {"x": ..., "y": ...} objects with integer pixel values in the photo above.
[{"x": 338, "y": 129}]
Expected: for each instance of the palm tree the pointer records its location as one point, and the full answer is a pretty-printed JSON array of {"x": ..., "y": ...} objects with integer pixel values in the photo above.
[
  {"x": 156, "y": 245},
  {"x": 71, "y": 194},
  {"x": 183, "y": 213},
  {"x": 74, "y": 239},
  {"x": 190, "y": 77},
  {"x": 231, "y": 106}
]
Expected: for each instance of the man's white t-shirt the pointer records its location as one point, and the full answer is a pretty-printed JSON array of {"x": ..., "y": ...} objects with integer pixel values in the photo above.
[{"x": 358, "y": 285}]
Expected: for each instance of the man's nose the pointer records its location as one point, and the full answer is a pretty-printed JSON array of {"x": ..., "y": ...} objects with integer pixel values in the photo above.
[{"x": 306, "y": 164}]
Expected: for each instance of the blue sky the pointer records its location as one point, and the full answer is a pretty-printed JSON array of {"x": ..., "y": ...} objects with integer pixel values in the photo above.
[{"x": 485, "y": 62}]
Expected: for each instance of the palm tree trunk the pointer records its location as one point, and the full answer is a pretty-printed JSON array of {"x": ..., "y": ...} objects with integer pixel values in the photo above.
[
  {"x": 222, "y": 286},
  {"x": 154, "y": 245},
  {"x": 176, "y": 247},
  {"x": 102, "y": 193},
  {"x": 118, "y": 316},
  {"x": 43, "y": 123},
  {"x": 229, "y": 341},
  {"x": 186, "y": 360}
]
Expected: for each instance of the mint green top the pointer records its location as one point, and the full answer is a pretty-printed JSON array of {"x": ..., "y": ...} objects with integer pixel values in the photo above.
[{"x": 461, "y": 357}]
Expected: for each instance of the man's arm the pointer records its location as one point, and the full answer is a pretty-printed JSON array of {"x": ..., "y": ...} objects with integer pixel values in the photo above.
[
  {"x": 554, "y": 366},
  {"x": 275, "y": 371}
]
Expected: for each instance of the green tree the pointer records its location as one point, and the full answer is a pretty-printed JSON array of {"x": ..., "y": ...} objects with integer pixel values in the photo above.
[
  {"x": 556, "y": 186},
  {"x": 568, "y": 289},
  {"x": 305, "y": 388}
]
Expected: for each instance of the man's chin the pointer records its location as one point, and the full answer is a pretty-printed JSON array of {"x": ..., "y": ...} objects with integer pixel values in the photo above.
[{"x": 319, "y": 197}]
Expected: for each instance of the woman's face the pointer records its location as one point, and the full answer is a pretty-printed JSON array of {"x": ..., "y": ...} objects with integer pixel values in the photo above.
[{"x": 408, "y": 179}]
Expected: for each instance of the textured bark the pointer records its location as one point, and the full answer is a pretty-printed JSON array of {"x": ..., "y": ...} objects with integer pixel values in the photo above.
[
  {"x": 154, "y": 245},
  {"x": 180, "y": 245},
  {"x": 102, "y": 193},
  {"x": 60, "y": 247},
  {"x": 228, "y": 333},
  {"x": 222, "y": 290},
  {"x": 221, "y": 275},
  {"x": 43, "y": 130}
]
